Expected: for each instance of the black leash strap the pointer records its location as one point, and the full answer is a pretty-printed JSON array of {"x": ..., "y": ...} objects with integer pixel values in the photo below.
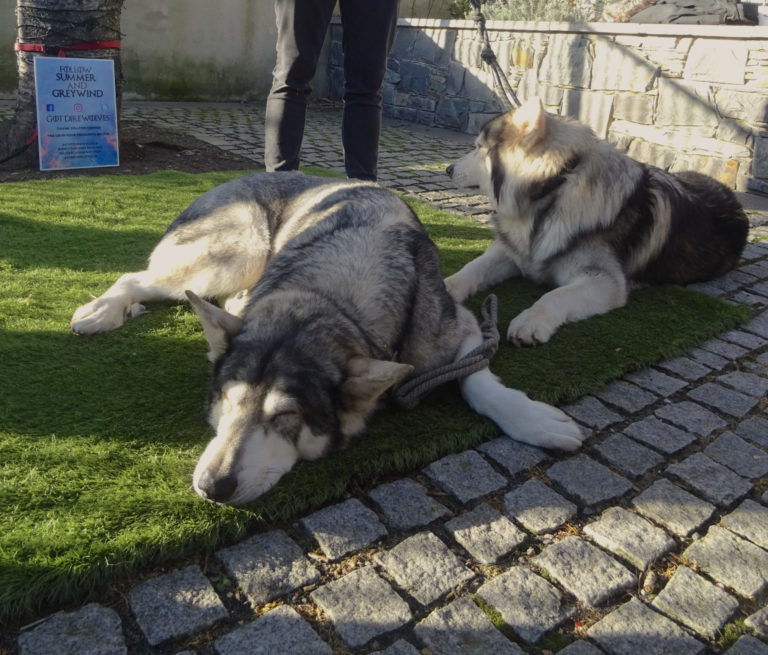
[
  {"x": 508, "y": 95},
  {"x": 408, "y": 394}
]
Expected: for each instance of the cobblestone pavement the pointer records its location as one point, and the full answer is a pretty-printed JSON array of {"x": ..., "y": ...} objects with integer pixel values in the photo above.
[{"x": 652, "y": 540}]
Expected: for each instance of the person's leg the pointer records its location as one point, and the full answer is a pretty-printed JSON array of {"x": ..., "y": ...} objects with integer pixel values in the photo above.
[
  {"x": 368, "y": 33},
  {"x": 301, "y": 28}
]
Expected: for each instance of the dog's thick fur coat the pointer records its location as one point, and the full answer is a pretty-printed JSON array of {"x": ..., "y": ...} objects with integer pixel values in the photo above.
[
  {"x": 332, "y": 294},
  {"x": 573, "y": 213}
]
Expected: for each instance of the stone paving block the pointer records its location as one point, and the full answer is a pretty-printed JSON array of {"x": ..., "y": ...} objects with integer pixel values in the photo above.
[
  {"x": 628, "y": 456},
  {"x": 268, "y": 565},
  {"x": 749, "y": 520},
  {"x": 406, "y": 504},
  {"x": 280, "y": 630},
  {"x": 590, "y": 411},
  {"x": 726, "y": 400},
  {"x": 580, "y": 648},
  {"x": 747, "y": 383},
  {"x": 584, "y": 570},
  {"x": 749, "y": 341},
  {"x": 748, "y": 645},
  {"x": 91, "y": 630},
  {"x": 175, "y": 605},
  {"x": 588, "y": 480},
  {"x": 755, "y": 429},
  {"x": 630, "y": 537},
  {"x": 659, "y": 435},
  {"x": 485, "y": 533},
  {"x": 362, "y": 606},
  {"x": 673, "y": 507},
  {"x": 529, "y": 604},
  {"x": 462, "y": 627},
  {"x": 708, "y": 358},
  {"x": 691, "y": 417},
  {"x": 626, "y": 396},
  {"x": 344, "y": 528},
  {"x": 538, "y": 507},
  {"x": 400, "y": 647},
  {"x": 724, "y": 349},
  {"x": 656, "y": 381},
  {"x": 758, "y": 622},
  {"x": 424, "y": 566},
  {"x": 758, "y": 325},
  {"x": 714, "y": 481},
  {"x": 690, "y": 599},
  {"x": 466, "y": 476},
  {"x": 686, "y": 368},
  {"x": 514, "y": 456},
  {"x": 738, "y": 455},
  {"x": 735, "y": 562},
  {"x": 633, "y": 628}
]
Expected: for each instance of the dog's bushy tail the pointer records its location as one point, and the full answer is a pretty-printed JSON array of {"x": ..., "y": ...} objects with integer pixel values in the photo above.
[{"x": 708, "y": 232}]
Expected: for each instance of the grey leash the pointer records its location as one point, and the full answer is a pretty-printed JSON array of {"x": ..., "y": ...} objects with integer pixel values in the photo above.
[
  {"x": 408, "y": 394},
  {"x": 508, "y": 96}
]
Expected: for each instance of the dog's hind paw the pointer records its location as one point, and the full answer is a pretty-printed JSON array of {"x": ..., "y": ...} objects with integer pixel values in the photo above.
[{"x": 103, "y": 315}]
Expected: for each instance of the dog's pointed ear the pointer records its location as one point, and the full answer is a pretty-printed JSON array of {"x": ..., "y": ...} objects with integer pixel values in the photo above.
[
  {"x": 369, "y": 378},
  {"x": 530, "y": 118},
  {"x": 218, "y": 325}
]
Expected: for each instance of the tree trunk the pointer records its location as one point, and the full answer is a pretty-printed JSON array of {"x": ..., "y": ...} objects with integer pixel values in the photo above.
[{"x": 54, "y": 24}]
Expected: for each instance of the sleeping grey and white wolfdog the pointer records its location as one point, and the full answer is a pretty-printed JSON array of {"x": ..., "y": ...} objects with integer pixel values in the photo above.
[{"x": 331, "y": 294}]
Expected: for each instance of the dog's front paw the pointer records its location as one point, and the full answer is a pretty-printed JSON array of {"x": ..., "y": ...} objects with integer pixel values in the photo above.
[
  {"x": 459, "y": 287},
  {"x": 548, "y": 427},
  {"x": 531, "y": 327},
  {"x": 103, "y": 315}
]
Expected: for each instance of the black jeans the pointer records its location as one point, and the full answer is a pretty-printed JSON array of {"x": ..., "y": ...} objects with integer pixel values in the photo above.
[{"x": 368, "y": 32}]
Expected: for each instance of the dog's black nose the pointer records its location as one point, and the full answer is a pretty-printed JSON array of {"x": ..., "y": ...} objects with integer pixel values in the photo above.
[
  {"x": 449, "y": 171},
  {"x": 219, "y": 489}
]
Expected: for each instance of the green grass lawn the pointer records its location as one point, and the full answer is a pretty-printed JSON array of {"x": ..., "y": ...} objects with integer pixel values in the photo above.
[{"x": 99, "y": 435}]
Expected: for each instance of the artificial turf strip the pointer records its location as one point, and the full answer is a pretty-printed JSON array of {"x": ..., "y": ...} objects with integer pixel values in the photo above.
[{"x": 99, "y": 435}]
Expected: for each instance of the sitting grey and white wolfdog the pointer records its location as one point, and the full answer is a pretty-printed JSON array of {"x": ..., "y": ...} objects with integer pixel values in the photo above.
[
  {"x": 574, "y": 213},
  {"x": 331, "y": 293}
]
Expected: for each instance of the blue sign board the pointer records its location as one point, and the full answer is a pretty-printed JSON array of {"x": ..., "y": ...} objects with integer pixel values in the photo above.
[{"x": 76, "y": 113}]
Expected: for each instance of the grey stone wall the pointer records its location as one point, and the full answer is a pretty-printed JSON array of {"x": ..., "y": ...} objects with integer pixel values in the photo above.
[{"x": 679, "y": 97}]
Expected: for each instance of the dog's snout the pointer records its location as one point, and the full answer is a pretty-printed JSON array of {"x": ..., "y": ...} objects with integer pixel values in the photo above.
[
  {"x": 449, "y": 171},
  {"x": 217, "y": 489}
]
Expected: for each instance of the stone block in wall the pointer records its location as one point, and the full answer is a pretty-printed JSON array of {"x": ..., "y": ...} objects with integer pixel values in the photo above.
[
  {"x": 616, "y": 68},
  {"x": 424, "y": 117},
  {"x": 476, "y": 120},
  {"x": 478, "y": 86},
  {"x": 422, "y": 102},
  {"x": 454, "y": 84},
  {"x": 467, "y": 51},
  {"x": 634, "y": 107},
  {"x": 335, "y": 54},
  {"x": 742, "y": 105},
  {"x": 667, "y": 52},
  {"x": 400, "y": 113},
  {"x": 529, "y": 86},
  {"x": 734, "y": 131},
  {"x": 651, "y": 153},
  {"x": 685, "y": 103},
  {"x": 592, "y": 108},
  {"x": 414, "y": 77},
  {"x": 760, "y": 160},
  {"x": 567, "y": 62},
  {"x": 723, "y": 62},
  {"x": 433, "y": 45},
  {"x": 725, "y": 170},
  {"x": 452, "y": 112}
]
